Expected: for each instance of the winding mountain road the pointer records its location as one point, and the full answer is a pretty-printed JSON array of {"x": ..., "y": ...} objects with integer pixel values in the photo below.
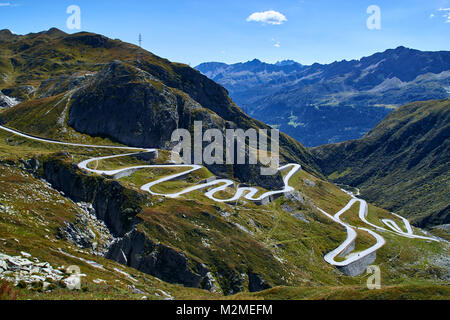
[{"x": 345, "y": 251}]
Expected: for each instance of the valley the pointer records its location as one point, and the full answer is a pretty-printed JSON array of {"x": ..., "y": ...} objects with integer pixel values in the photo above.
[
  {"x": 87, "y": 180},
  {"x": 401, "y": 164}
]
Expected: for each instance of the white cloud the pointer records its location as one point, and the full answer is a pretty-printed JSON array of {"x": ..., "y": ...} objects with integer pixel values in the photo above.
[
  {"x": 270, "y": 17},
  {"x": 276, "y": 43},
  {"x": 445, "y": 14},
  {"x": 8, "y": 4}
]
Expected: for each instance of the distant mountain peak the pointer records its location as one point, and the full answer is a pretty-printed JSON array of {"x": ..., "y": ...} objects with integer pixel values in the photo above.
[
  {"x": 401, "y": 50},
  {"x": 255, "y": 61},
  {"x": 55, "y": 32},
  {"x": 286, "y": 63},
  {"x": 89, "y": 39},
  {"x": 5, "y": 34}
]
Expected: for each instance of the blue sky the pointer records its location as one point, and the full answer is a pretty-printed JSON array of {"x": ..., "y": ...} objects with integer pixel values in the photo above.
[{"x": 195, "y": 31}]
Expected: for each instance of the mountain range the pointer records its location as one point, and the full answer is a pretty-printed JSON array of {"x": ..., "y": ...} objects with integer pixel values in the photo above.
[{"x": 327, "y": 103}]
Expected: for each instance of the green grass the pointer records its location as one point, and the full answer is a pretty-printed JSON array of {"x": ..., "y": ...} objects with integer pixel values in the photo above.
[
  {"x": 335, "y": 175},
  {"x": 13, "y": 147},
  {"x": 47, "y": 118},
  {"x": 420, "y": 291}
]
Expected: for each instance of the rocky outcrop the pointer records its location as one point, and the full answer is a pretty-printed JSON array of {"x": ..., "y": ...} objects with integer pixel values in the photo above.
[
  {"x": 257, "y": 283},
  {"x": 26, "y": 271},
  {"x": 7, "y": 102},
  {"x": 116, "y": 206},
  {"x": 87, "y": 231},
  {"x": 295, "y": 205},
  {"x": 130, "y": 106},
  {"x": 138, "y": 251},
  {"x": 57, "y": 85},
  {"x": 19, "y": 93},
  {"x": 295, "y": 197}
]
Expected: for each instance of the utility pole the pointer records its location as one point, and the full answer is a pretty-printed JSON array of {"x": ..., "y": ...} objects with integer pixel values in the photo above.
[{"x": 140, "y": 40}]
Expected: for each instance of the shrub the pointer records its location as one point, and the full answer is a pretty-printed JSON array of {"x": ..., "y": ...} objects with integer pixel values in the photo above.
[{"x": 7, "y": 291}]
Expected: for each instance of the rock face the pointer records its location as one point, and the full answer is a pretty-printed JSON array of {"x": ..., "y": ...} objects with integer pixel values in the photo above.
[
  {"x": 115, "y": 207},
  {"x": 138, "y": 251},
  {"x": 401, "y": 164},
  {"x": 7, "y": 102},
  {"x": 87, "y": 231},
  {"x": 256, "y": 283},
  {"x": 128, "y": 105}
]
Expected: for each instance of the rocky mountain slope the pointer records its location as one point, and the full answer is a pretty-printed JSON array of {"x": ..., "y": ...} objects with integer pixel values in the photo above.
[
  {"x": 402, "y": 164},
  {"x": 119, "y": 101},
  {"x": 321, "y": 104}
]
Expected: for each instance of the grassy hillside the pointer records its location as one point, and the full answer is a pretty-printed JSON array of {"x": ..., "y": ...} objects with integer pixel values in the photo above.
[
  {"x": 402, "y": 164},
  {"x": 271, "y": 240},
  {"x": 402, "y": 292}
]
